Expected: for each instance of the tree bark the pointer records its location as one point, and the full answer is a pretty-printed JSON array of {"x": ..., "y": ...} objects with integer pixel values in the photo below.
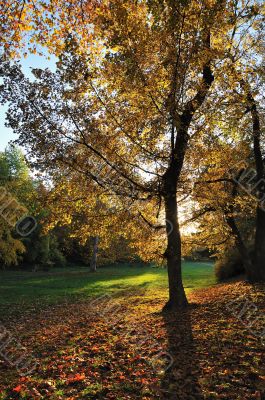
[
  {"x": 258, "y": 273},
  {"x": 177, "y": 296},
  {"x": 93, "y": 261},
  {"x": 259, "y": 258}
]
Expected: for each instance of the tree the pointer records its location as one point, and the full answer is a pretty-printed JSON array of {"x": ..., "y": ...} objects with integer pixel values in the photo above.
[
  {"x": 258, "y": 270},
  {"x": 247, "y": 76},
  {"x": 11, "y": 249},
  {"x": 14, "y": 179},
  {"x": 129, "y": 99},
  {"x": 93, "y": 262},
  {"x": 236, "y": 127},
  {"x": 83, "y": 210},
  {"x": 222, "y": 211}
]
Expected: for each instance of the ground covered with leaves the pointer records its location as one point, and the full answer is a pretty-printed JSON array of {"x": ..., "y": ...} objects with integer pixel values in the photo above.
[{"x": 125, "y": 348}]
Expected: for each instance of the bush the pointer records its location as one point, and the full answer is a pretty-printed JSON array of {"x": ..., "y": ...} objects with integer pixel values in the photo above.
[
  {"x": 57, "y": 257},
  {"x": 43, "y": 250},
  {"x": 229, "y": 266}
]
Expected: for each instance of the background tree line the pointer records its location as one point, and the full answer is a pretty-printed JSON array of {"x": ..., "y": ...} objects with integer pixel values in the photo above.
[{"x": 46, "y": 246}]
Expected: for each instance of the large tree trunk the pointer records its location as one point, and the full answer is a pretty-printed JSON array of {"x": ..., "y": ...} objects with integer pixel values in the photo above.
[
  {"x": 259, "y": 270},
  {"x": 258, "y": 273},
  {"x": 93, "y": 261},
  {"x": 177, "y": 296}
]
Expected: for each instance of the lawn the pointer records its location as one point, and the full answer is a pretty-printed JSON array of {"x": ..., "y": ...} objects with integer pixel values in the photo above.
[{"x": 25, "y": 288}]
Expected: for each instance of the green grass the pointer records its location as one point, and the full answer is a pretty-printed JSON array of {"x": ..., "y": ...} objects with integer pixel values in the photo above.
[{"x": 23, "y": 288}]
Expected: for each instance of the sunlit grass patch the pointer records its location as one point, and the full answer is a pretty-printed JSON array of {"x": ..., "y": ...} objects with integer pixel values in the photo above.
[{"x": 25, "y": 288}]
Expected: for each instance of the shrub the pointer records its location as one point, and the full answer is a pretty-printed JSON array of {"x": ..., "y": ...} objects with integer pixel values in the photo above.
[
  {"x": 229, "y": 265},
  {"x": 57, "y": 257}
]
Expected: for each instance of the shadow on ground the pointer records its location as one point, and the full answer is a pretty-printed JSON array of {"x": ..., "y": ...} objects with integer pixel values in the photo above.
[{"x": 181, "y": 380}]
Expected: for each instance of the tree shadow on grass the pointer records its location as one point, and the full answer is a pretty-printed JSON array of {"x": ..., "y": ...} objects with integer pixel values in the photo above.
[{"x": 181, "y": 379}]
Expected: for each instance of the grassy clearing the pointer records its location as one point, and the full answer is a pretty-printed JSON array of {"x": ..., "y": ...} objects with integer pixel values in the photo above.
[{"x": 27, "y": 288}]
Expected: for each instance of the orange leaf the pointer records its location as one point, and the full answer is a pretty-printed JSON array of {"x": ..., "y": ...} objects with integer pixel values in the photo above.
[
  {"x": 77, "y": 378},
  {"x": 17, "y": 389}
]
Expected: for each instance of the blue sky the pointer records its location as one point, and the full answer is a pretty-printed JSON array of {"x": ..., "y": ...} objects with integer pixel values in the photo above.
[
  {"x": 6, "y": 134},
  {"x": 32, "y": 61}
]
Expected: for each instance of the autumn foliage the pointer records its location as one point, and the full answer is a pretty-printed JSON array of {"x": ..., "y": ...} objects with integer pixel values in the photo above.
[{"x": 164, "y": 99}]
